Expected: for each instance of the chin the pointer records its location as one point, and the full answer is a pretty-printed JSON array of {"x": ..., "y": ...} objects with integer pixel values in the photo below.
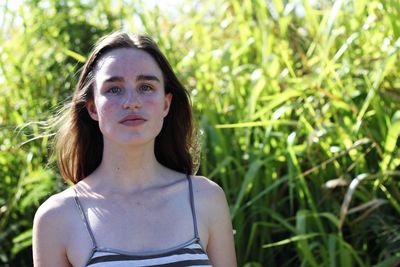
[
  {"x": 134, "y": 141},
  {"x": 132, "y": 138}
]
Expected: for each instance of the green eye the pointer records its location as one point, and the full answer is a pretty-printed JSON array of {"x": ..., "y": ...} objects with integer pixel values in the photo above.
[
  {"x": 145, "y": 88},
  {"x": 115, "y": 90}
]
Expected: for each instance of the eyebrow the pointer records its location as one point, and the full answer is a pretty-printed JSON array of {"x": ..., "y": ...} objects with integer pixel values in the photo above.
[
  {"x": 138, "y": 78},
  {"x": 147, "y": 78}
]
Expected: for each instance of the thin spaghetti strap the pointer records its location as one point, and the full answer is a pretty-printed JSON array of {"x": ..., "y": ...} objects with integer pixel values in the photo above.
[
  {"x": 84, "y": 219},
  {"x": 196, "y": 232}
]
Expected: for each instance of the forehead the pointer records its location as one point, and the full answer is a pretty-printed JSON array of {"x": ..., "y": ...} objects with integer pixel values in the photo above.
[{"x": 126, "y": 62}]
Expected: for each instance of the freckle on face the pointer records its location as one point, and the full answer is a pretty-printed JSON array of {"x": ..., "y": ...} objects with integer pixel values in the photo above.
[{"x": 128, "y": 63}]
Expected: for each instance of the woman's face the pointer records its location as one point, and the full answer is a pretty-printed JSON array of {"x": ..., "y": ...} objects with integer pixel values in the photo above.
[{"x": 129, "y": 97}]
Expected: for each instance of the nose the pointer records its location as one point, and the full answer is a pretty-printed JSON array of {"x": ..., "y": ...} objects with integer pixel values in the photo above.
[{"x": 132, "y": 100}]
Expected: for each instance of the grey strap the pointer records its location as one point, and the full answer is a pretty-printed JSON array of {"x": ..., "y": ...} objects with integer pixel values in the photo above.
[
  {"x": 84, "y": 219},
  {"x": 196, "y": 233}
]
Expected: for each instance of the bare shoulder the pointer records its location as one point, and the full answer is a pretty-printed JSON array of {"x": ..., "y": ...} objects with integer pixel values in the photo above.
[
  {"x": 52, "y": 230},
  {"x": 55, "y": 209},
  {"x": 215, "y": 217},
  {"x": 204, "y": 186},
  {"x": 209, "y": 196}
]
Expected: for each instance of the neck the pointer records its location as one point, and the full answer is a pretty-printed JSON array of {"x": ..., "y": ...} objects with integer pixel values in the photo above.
[{"x": 128, "y": 168}]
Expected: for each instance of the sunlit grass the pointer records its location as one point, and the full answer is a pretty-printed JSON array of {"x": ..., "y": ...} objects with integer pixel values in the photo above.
[{"x": 297, "y": 105}]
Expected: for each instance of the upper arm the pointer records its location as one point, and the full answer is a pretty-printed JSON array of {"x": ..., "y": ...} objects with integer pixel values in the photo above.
[
  {"x": 47, "y": 241},
  {"x": 220, "y": 246}
]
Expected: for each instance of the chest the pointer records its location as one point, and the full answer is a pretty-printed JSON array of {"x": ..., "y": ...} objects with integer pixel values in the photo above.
[
  {"x": 140, "y": 223},
  {"x": 136, "y": 224}
]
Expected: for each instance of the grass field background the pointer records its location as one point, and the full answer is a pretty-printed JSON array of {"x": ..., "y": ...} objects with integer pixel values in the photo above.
[{"x": 297, "y": 103}]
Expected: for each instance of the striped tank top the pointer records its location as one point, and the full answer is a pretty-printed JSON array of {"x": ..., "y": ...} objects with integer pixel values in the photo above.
[{"x": 190, "y": 253}]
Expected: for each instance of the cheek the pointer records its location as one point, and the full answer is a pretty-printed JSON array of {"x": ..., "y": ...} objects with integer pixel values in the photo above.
[
  {"x": 150, "y": 102},
  {"x": 155, "y": 104},
  {"x": 106, "y": 107}
]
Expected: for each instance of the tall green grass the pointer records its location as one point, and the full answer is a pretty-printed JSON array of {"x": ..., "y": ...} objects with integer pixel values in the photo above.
[{"x": 297, "y": 105}]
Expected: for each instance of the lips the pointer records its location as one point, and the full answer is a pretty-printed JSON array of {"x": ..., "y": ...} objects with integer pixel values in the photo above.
[{"x": 132, "y": 120}]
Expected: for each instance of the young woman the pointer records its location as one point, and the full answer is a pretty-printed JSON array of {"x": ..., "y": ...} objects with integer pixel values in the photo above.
[{"x": 127, "y": 144}]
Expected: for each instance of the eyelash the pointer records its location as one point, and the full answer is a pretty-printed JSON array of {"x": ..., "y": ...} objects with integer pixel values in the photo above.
[
  {"x": 150, "y": 88},
  {"x": 112, "y": 89}
]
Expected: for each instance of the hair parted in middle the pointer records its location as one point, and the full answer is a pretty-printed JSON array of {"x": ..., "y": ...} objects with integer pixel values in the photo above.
[{"x": 79, "y": 141}]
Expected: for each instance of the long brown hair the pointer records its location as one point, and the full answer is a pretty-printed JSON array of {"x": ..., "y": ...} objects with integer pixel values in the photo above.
[{"x": 79, "y": 142}]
